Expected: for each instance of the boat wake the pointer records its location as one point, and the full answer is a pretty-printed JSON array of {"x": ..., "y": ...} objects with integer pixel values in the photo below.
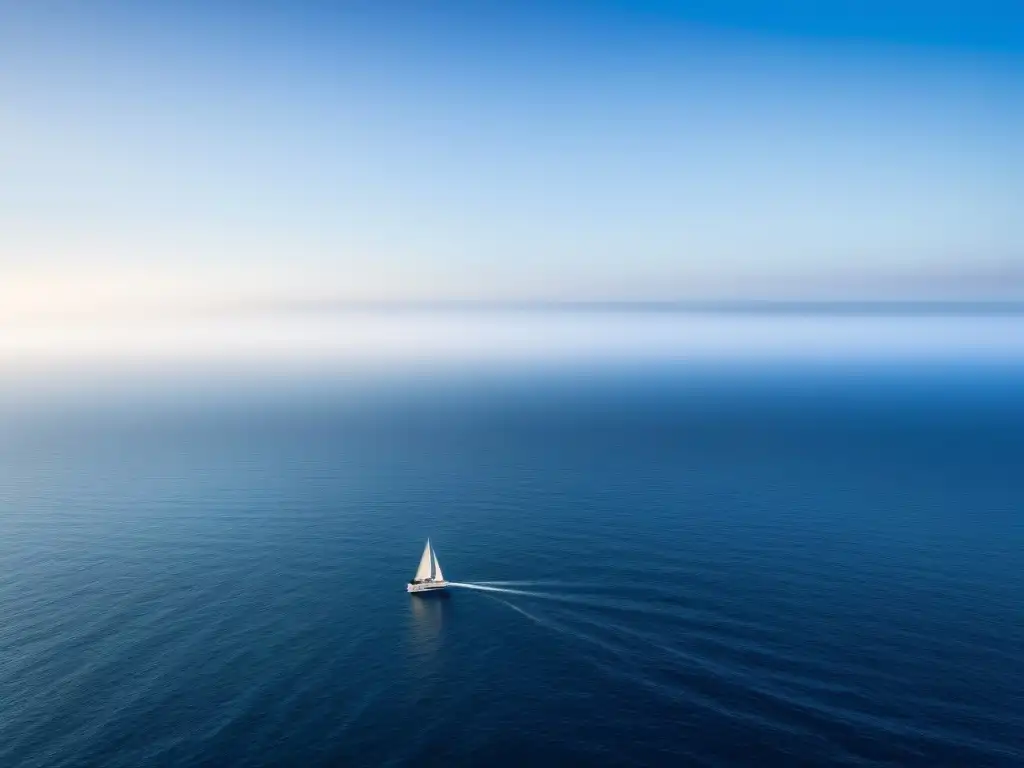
[
  {"x": 567, "y": 617},
  {"x": 555, "y": 597},
  {"x": 527, "y": 584},
  {"x": 488, "y": 587},
  {"x": 611, "y": 646}
]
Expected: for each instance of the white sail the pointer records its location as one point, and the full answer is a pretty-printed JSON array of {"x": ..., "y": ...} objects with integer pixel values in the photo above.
[
  {"x": 438, "y": 576},
  {"x": 423, "y": 571}
]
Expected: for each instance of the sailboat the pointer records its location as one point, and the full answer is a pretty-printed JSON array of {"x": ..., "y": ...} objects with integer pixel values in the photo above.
[{"x": 428, "y": 576}]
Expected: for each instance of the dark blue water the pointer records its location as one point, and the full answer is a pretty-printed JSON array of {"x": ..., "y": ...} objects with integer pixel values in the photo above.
[{"x": 807, "y": 569}]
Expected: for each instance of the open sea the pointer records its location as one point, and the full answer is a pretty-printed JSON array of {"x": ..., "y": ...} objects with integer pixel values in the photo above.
[{"x": 660, "y": 568}]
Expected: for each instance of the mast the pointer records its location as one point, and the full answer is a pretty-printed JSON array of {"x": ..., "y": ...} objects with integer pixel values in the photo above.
[{"x": 423, "y": 571}]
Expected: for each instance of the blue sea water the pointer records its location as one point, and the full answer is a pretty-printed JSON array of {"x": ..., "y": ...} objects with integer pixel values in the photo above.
[{"x": 721, "y": 569}]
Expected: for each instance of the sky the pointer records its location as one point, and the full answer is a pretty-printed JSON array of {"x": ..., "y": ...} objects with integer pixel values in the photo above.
[{"x": 211, "y": 153}]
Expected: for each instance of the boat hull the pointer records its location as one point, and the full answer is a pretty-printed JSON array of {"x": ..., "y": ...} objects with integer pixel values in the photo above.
[{"x": 426, "y": 586}]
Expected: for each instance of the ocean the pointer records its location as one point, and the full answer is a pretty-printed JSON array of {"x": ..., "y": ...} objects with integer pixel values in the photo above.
[{"x": 743, "y": 567}]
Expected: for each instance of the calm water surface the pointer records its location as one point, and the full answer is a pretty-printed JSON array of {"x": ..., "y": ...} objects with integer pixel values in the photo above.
[{"x": 734, "y": 570}]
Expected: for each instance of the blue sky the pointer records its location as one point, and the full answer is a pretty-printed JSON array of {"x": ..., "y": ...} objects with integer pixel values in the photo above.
[{"x": 205, "y": 152}]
